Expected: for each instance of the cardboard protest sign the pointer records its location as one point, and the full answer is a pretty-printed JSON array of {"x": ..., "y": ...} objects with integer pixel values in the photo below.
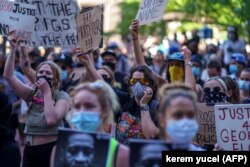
[
  {"x": 18, "y": 16},
  {"x": 90, "y": 27},
  {"x": 147, "y": 152},
  {"x": 55, "y": 23},
  {"x": 93, "y": 148},
  {"x": 233, "y": 127},
  {"x": 150, "y": 11},
  {"x": 206, "y": 120}
]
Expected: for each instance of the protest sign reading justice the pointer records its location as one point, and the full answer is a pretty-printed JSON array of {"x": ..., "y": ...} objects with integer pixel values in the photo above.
[
  {"x": 90, "y": 27},
  {"x": 233, "y": 126},
  {"x": 206, "y": 121},
  {"x": 150, "y": 11},
  {"x": 55, "y": 23},
  {"x": 18, "y": 16}
]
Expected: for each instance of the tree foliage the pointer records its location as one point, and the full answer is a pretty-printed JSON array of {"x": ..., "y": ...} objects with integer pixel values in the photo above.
[{"x": 218, "y": 12}]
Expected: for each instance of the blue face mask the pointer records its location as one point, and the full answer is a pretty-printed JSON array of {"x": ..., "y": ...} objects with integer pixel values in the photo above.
[
  {"x": 196, "y": 71},
  {"x": 244, "y": 85},
  {"x": 86, "y": 120},
  {"x": 233, "y": 69},
  {"x": 63, "y": 75},
  {"x": 182, "y": 131}
]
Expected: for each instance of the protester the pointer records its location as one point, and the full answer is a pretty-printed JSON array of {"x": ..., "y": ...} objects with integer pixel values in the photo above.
[
  {"x": 47, "y": 107},
  {"x": 244, "y": 84},
  {"x": 238, "y": 63},
  {"x": 233, "y": 92},
  {"x": 215, "y": 91},
  {"x": 177, "y": 116},
  {"x": 159, "y": 64},
  {"x": 93, "y": 107},
  {"x": 232, "y": 45},
  {"x": 179, "y": 67},
  {"x": 9, "y": 149}
]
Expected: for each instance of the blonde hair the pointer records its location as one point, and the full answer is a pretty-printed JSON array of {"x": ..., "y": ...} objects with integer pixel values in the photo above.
[
  {"x": 106, "y": 97},
  {"x": 56, "y": 74}
]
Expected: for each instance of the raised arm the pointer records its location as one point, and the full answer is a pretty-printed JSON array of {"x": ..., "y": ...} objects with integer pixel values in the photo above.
[
  {"x": 137, "y": 48},
  {"x": 86, "y": 61},
  {"x": 25, "y": 65},
  {"x": 19, "y": 88},
  {"x": 189, "y": 75}
]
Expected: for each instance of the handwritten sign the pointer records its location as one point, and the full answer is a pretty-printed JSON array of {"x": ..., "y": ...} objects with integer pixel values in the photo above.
[
  {"x": 233, "y": 127},
  {"x": 206, "y": 120},
  {"x": 55, "y": 23},
  {"x": 150, "y": 11},
  {"x": 18, "y": 16},
  {"x": 90, "y": 27}
]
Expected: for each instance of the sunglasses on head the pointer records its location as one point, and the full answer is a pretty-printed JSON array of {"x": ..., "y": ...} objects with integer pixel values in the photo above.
[
  {"x": 215, "y": 89},
  {"x": 143, "y": 81}
]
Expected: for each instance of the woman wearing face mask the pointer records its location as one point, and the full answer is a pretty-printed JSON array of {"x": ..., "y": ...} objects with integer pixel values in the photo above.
[
  {"x": 215, "y": 91},
  {"x": 179, "y": 68},
  {"x": 177, "y": 120},
  {"x": 92, "y": 111},
  {"x": 47, "y": 108},
  {"x": 138, "y": 116}
]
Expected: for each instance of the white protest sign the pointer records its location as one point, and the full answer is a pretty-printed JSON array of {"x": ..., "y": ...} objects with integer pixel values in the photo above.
[
  {"x": 18, "y": 16},
  {"x": 233, "y": 126},
  {"x": 151, "y": 11},
  {"x": 55, "y": 23},
  {"x": 90, "y": 27}
]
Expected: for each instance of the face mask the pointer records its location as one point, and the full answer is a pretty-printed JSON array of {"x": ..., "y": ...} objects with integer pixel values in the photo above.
[
  {"x": 182, "y": 131},
  {"x": 86, "y": 120},
  {"x": 196, "y": 71},
  {"x": 213, "y": 97},
  {"x": 63, "y": 75},
  {"x": 176, "y": 74},
  {"x": 244, "y": 85},
  {"x": 110, "y": 65},
  {"x": 49, "y": 80},
  {"x": 233, "y": 69},
  {"x": 138, "y": 90}
]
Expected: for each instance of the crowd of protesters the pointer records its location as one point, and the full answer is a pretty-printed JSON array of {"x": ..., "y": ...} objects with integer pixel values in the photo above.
[{"x": 103, "y": 91}]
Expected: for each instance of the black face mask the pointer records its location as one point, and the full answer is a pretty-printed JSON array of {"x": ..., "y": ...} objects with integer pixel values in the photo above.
[
  {"x": 49, "y": 80},
  {"x": 1, "y": 70},
  {"x": 213, "y": 97},
  {"x": 110, "y": 65}
]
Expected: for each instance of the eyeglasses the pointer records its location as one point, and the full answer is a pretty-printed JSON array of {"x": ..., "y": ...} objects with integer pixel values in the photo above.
[
  {"x": 215, "y": 89},
  {"x": 143, "y": 81}
]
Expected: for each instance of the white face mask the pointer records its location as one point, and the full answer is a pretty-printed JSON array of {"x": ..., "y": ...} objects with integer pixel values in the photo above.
[{"x": 182, "y": 131}]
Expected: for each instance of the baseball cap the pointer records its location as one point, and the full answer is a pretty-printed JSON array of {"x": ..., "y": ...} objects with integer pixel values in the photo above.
[
  {"x": 240, "y": 58},
  {"x": 176, "y": 56},
  {"x": 113, "y": 45},
  {"x": 64, "y": 58},
  {"x": 109, "y": 52}
]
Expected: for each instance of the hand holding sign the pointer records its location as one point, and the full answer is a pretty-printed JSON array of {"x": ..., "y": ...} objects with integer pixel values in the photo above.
[
  {"x": 134, "y": 29},
  {"x": 14, "y": 40}
]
